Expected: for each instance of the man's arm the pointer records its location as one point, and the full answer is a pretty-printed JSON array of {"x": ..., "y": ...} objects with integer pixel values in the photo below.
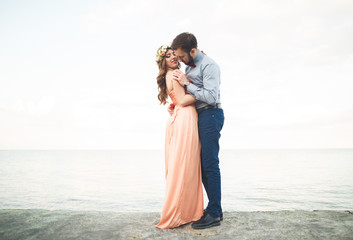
[
  {"x": 183, "y": 98},
  {"x": 211, "y": 81}
]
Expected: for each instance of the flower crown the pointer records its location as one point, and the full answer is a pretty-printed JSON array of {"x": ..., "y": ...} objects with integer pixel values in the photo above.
[{"x": 161, "y": 52}]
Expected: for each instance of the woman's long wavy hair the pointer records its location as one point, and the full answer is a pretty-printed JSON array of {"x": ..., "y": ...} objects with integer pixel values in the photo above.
[{"x": 161, "y": 81}]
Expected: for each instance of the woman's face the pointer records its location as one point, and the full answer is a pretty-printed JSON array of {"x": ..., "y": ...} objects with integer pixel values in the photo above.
[{"x": 171, "y": 59}]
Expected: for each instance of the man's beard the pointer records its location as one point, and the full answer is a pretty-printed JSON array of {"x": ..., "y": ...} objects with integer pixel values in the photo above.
[{"x": 191, "y": 60}]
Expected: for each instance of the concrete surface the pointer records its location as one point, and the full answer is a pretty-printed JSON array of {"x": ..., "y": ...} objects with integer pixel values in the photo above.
[{"x": 62, "y": 224}]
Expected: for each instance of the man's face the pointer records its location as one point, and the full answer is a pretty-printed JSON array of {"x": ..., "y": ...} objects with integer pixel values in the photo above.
[{"x": 183, "y": 56}]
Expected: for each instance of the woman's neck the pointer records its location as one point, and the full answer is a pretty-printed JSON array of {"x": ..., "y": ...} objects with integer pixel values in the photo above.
[{"x": 170, "y": 69}]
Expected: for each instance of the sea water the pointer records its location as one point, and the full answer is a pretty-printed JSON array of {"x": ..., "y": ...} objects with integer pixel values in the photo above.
[{"x": 133, "y": 180}]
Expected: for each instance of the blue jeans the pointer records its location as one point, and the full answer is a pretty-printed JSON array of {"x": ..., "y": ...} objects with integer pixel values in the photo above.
[{"x": 210, "y": 124}]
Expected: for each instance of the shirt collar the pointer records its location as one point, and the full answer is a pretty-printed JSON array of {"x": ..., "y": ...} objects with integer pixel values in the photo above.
[{"x": 199, "y": 57}]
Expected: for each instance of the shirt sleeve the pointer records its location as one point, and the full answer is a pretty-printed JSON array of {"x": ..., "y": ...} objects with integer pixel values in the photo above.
[{"x": 211, "y": 81}]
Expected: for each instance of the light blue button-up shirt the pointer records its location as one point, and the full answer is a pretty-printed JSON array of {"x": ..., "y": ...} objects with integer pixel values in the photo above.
[{"x": 205, "y": 78}]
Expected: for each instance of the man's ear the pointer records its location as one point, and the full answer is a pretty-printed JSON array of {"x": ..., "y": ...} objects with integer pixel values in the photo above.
[{"x": 193, "y": 50}]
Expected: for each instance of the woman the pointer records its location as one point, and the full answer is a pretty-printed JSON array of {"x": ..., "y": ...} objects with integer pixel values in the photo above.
[{"x": 184, "y": 196}]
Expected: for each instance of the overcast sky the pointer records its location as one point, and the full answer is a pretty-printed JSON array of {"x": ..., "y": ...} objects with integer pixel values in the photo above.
[{"x": 82, "y": 75}]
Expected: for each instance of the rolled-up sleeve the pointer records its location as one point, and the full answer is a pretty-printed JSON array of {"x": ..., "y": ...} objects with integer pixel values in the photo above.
[{"x": 211, "y": 81}]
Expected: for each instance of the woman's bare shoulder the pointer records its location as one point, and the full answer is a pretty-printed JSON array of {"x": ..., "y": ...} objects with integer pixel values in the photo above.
[
  {"x": 169, "y": 80},
  {"x": 169, "y": 75}
]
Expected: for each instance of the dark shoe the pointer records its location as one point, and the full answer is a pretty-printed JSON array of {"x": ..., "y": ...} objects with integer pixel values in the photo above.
[
  {"x": 220, "y": 216},
  {"x": 206, "y": 221}
]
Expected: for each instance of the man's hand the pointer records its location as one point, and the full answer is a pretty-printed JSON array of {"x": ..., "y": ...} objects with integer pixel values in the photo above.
[
  {"x": 171, "y": 109},
  {"x": 180, "y": 77}
]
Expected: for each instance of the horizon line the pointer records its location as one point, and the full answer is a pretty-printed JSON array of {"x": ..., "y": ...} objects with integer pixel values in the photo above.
[{"x": 161, "y": 149}]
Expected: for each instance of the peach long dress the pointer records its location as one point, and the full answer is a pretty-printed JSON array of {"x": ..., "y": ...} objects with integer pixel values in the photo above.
[{"x": 184, "y": 196}]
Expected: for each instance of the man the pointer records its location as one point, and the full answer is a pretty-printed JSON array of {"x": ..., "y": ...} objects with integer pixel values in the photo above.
[{"x": 204, "y": 76}]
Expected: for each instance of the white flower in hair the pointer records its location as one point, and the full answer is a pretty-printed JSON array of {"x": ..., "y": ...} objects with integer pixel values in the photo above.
[{"x": 161, "y": 52}]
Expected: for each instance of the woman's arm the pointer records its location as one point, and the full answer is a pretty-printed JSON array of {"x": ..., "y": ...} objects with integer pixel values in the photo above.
[{"x": 182, "y": 98}]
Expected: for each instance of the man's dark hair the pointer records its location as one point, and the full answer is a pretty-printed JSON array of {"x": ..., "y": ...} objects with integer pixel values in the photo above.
[{"x": 186, "y": 41}]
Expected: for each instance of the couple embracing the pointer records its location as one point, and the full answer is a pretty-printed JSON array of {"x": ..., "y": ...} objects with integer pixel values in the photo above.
[{"x": 192, "y": 134}]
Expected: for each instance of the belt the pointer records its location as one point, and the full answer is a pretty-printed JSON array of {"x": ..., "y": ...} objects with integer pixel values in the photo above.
[{"x": 218, "y": 105}]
